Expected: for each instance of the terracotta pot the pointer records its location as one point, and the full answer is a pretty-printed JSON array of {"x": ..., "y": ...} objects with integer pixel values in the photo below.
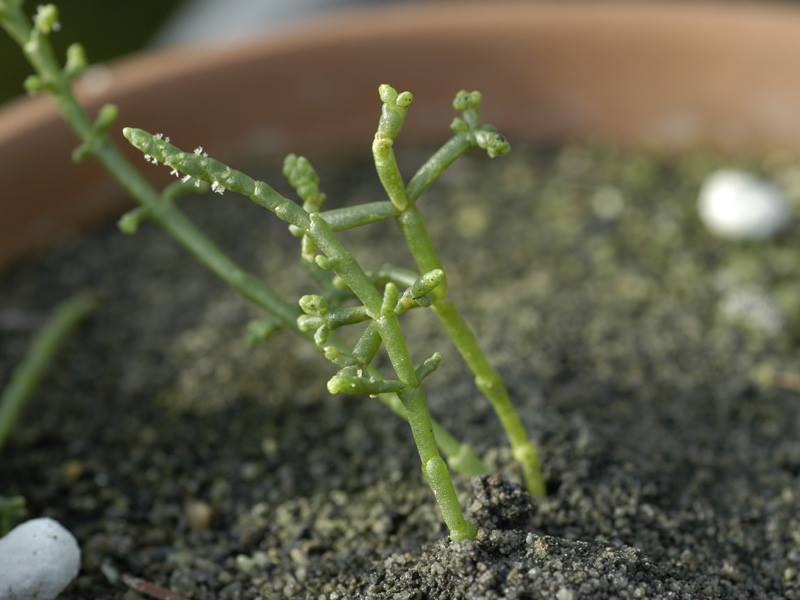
[{"x": 667, "y": 75}]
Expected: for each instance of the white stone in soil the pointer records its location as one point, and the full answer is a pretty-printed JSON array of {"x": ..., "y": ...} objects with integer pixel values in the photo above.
[
  {"x": 737, "y": 205},
  {"x": 38, "y": 559}
]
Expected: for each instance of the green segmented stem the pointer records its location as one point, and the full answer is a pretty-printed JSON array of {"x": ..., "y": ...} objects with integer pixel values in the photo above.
[
  {"x": 367, "y": 345},
  {"x": 379, "y": 307},
  {"x": 304, "y": 179},
  {"x": 393, "y": 115},
  {"x": 437, "y": 164},
  {"x": 350, "y": 217},
  {"x": 491, "y": 385},
  {"x": 469, "y": 133},
  {"x": 159, "y": 207},
  {"x": 27, "y": 377}
]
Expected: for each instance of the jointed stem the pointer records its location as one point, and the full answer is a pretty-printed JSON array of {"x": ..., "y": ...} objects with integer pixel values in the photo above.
[
  {"x": 437, "y": 164},
  {"x": 487, "y": 379},
  {"x": 433, "y": 467},
  {"x": 157, "y": 207},
  {"x": 350, "y": 217},
  {"x": 491, "y": 385},
  {"x": 468, "y": 135}
]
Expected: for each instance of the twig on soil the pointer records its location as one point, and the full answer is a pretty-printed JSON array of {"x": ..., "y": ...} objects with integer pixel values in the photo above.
[
  {"x": 768, "y": 377},
  {"x": 150, "y": 589},
  {"x": 788, "y": 381}
]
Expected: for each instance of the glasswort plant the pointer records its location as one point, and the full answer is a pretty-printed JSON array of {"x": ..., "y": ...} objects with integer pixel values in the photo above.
[{"x": 379, "y": 299}]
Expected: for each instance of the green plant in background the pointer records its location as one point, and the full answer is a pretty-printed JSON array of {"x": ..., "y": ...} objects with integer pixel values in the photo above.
[
  {"x": 379, "y": 298},
  {"x": 27, "y": 378}
]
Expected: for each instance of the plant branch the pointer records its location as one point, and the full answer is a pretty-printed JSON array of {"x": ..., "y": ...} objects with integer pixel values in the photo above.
[
  {"x": 351, "y": 217},
  {"x": 469, "y": 133}
]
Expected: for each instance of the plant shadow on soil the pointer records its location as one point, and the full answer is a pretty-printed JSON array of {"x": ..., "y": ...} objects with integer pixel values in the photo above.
[{"x": 180, "y": 455}]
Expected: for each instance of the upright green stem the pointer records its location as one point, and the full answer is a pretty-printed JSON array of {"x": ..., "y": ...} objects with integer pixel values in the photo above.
[
  {"x": 412, "y": 226},
  {"x": 490, "y": 383},
  {"x": 393, "y": 115},
  {"x": 487, "y": 379},
  {"x": 157, "y": 207},
  {"x": 437, "y": 164},
  {"x": 381, "y": 308},
  {"x": 28, "y": 375},
  {"x": 460, "y": 456}
]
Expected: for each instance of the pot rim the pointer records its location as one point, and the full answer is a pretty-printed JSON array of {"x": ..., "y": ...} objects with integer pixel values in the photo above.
[{"x": 659, "y": 74}]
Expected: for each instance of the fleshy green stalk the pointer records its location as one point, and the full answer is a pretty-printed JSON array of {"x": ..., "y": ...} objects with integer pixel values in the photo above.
[
  {"x": 469, "y": 133},
  {"x": 154, "y": 206},
  {"x": 381, "y": 308},
  {"x": 28, "y": 375}
]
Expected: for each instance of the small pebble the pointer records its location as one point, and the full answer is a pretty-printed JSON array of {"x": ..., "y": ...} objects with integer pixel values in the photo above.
[
  {"x": 737, "y": 205},
  {"x": 565, "y": 594},
  {"x": 244, "y": 563},
  {"x": 73, "y": 469},
  {"x": 198, "y": 514},
  {"x": 608, "y": 203},
  {"x": 38, "y": 559},
  {"x": 270, "y": 446}
]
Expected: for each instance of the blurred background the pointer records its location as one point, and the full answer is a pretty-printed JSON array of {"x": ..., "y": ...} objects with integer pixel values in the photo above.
[{"x": 131, "y": 26}]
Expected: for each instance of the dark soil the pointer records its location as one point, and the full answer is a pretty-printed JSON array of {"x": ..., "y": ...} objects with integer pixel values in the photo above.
[{"x": 656, "y": 366}]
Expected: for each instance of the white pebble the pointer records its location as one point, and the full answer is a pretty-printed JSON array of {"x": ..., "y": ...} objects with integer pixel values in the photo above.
[
  {"x": 38, "y": 559},
  {"x": 738, "y": 205}
]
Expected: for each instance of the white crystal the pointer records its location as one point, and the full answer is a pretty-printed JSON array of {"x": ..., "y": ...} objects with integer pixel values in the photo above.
[
  {"x": 737, "y": 205},
  {"x": 38, "y": 559},
  {"x": 217, "y": 187}
]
